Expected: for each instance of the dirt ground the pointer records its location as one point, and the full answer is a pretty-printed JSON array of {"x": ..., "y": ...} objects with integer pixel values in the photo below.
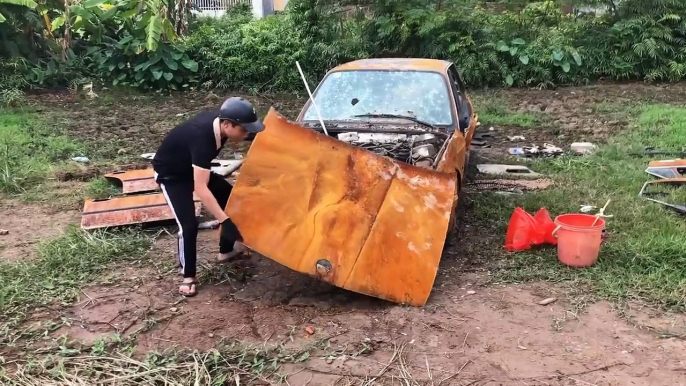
[
  {"x": 469, "y": 333},
  {"x": 28, "y": 224}
]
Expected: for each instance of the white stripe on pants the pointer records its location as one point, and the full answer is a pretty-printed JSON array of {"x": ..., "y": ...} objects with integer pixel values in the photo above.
[{"x": 182, "y": 260}]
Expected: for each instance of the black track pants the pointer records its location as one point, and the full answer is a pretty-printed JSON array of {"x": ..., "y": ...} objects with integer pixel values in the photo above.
[{"x": 179, "y": 196}]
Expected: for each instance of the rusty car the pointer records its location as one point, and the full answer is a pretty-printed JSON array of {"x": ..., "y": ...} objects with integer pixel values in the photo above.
[{"x": 361, "y": 189}]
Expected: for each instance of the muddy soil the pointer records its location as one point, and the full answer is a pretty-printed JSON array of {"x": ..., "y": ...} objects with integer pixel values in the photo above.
[
  {"x": 26, "y": 225},
  {"x": 469, "y": 333},
  {"x": 125, "y": 126}
]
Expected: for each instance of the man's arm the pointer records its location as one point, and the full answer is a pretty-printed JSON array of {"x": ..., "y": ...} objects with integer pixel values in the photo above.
[
  {"x": 202, "y": 155},
  {"x": 201, "y": 177}
]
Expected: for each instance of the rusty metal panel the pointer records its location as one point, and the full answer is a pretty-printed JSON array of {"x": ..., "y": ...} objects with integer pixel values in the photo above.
[
  {"x": 342, "y": 214},
  {"x": 133, "y": 181},
  {"x": 143, "y": 180},
  {"x": 128, "y": 210}
]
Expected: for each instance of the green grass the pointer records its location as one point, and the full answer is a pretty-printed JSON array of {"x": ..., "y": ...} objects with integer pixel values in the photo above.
[
  {"x": 494, "y": 110},
  {"x": 30, "y": 147},
  {"x": 645, "y": 255},
  {"x": 63, "y": 266}
]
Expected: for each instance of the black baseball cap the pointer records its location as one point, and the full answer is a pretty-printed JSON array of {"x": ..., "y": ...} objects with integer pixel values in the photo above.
[{"x": 241, "y": 112}]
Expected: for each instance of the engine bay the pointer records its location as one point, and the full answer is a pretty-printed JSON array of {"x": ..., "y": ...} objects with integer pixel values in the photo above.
[{"x": 415, "y": 149}]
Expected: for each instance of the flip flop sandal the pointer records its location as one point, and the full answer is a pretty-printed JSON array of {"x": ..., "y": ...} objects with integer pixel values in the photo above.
[
  {"x": 189, "y": 285},
  {"x": 239, "y": 256}
]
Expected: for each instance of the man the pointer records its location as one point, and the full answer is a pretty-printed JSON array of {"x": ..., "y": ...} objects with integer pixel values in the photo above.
[{"x": 182, "y": 166}]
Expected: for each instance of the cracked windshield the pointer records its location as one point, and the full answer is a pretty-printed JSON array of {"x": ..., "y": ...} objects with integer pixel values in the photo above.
[{"x": 418, "y": 94}]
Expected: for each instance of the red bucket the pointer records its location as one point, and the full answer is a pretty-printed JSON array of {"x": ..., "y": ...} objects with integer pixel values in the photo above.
[{"x": 578, "y": 241}]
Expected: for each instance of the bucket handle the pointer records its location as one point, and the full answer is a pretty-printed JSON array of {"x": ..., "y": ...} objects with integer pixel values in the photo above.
[{"x": 555, "y": 231}]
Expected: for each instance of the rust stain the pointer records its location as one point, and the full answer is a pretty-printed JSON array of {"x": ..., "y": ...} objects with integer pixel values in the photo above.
[
  {"x": 128, "y": 210},
  {"x": 341, "y": 207}
]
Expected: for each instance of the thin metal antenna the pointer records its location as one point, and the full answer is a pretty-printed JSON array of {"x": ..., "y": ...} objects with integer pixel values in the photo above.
[{"x": 311, "y": 98}]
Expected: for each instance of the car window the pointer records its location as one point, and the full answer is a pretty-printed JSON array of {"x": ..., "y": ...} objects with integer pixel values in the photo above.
[{"x": 421, "y": 94}]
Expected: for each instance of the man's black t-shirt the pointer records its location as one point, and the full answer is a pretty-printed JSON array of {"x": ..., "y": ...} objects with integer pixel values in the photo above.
[{"x": 193, "y": 142}]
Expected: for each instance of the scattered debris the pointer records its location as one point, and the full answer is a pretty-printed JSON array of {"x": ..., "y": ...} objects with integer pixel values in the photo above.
[
  {"x": 482, "y": 135},
  {"x": 478, "y": 142},
  {"x": 547, "y": 301},
  {"x": 510, "y": 186},
  {"x": 587, "y": 208},
  {"x": 650, "y": 150},
  {"x": 480, "y": 139},
  {"x": 583, "y": 147},
  {"x": 674, "y": 168},
  {"x": 4, "y": 232},
  {"x": 81, "y": 159},
  {"x": 512, "y": 170},
  {"x": 173, "y": 309},
  {"x": 148, "y": 155},
  {"x": 309, "y": 330},
  {"x": 547, "y": 150},
  {"x": 516, "y": 151},
  {"x": 680, "y": 182},
  {"x": 90, "y": 93},
  {"x": 471, "y": 292},
  {"x": 516, "y": 138}
]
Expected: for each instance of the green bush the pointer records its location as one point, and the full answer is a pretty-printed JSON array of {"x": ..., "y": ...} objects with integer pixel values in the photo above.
[
  {"x": 168, "y": 67},
  {"x": 529, "y": 44},
  {"x": 240, "y": 52}
]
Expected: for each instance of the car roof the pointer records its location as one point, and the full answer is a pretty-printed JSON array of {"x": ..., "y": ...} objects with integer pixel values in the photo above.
[{"x": 402, "y": 64}]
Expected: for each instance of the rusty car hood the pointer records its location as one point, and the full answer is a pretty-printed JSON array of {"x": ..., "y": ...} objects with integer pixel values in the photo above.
[{"x": 347, "y": 216}]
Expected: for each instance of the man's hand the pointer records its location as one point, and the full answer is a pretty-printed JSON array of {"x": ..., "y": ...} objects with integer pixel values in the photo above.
[
  {"x": 229, "y": 232},
  {"x": 201, "y": 177}
]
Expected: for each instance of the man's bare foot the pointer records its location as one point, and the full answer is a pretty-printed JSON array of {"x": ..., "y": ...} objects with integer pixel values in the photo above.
[
  {"x": 187, "y": 288},
  {"x": 239, "y": 252}
]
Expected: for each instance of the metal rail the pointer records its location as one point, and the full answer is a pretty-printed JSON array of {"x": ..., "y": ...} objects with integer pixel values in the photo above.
[{"x": 216, "y": 5}]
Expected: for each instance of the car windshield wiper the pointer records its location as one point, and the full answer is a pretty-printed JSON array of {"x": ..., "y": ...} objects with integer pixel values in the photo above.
[{"x": 413, "y": 119}]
